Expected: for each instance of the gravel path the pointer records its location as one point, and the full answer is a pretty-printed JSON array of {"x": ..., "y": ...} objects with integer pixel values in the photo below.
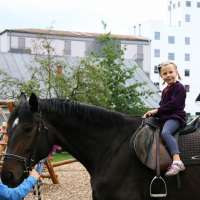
[{"x": 74, "y": 184}]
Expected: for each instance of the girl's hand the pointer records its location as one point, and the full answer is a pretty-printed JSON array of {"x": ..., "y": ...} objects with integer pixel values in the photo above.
[
  {"x": 151, "y": 113},
  {"x": 34, "y": 173}
]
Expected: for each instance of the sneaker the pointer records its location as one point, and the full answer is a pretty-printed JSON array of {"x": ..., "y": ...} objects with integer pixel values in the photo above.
[{"x": 174, "y": 169}]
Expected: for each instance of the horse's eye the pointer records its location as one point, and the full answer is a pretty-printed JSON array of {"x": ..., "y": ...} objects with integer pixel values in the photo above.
[{"x": 28, "y": 129}]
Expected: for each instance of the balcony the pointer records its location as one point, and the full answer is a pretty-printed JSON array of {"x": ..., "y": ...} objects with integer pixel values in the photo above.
[{"x": 26, "y": 50}]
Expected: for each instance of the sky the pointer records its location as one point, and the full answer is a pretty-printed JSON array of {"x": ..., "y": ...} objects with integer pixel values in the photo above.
[{"x": 80, "y": 15}]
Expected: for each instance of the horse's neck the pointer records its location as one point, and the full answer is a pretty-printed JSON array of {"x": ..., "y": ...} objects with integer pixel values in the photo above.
[
  {"x": 80, "y": 137},
  {"x": 89, "y": 142}
]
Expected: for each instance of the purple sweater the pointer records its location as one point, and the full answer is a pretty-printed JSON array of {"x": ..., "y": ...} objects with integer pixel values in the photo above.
[{"x": 172, "y": 104}]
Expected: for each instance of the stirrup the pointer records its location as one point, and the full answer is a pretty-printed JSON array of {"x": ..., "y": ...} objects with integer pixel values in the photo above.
[{"x": 158, "y": 195}]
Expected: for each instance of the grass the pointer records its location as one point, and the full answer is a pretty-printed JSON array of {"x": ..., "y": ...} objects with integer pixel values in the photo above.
[{"x": 61, "y": 156}]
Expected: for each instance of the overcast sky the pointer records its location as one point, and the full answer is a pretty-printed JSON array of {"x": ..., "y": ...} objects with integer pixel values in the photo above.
[{"x": 80, "y": 15}]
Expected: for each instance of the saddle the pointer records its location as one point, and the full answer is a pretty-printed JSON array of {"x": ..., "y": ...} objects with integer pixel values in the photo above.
[{"x": 143, "y": 144}]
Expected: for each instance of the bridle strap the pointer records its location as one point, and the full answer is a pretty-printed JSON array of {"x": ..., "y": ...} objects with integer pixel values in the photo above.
[
  {"x": 16, "y": 157},
  {"x": 32, "y": 157}
]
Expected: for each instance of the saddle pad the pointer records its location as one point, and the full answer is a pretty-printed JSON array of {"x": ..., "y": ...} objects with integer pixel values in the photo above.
[
  {"x": 144, "y": 148},
  {"x": 189, "y": 146}
]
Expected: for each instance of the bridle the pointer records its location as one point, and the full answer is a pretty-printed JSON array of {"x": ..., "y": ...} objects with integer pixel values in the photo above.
[{"x": 28, "y": 162}]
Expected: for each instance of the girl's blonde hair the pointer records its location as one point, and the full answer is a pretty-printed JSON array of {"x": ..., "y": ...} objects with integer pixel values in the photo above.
[{"x": 167, "y": 62}]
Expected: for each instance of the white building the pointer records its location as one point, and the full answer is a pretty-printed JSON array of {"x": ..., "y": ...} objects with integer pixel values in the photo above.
[
  {"x": 178, "y": 41},
  {"x": 75, "y": 44}
]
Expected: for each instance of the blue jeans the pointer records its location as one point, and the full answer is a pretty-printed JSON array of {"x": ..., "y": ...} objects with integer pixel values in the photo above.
[
  {"x": 40, "y": 166},
  {"x": 169, "y": 128}
]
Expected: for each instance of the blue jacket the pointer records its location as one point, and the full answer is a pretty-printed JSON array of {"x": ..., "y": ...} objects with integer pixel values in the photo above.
[
  {"x": 19, "y": 192},
  {"x": 172, "y": 104}
]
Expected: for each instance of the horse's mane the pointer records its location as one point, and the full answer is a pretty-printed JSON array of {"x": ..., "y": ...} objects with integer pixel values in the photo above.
[{"x": 91, "y": 114}]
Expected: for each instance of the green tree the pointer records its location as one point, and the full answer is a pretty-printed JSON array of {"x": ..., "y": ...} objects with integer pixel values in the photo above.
[
  {"x": 90, "y": 83},
  {"x": 49, "y": 63},
  {"x": 124, "y": 98},
  {"x": 43, "y": 78},
  {"x": 11, "y": 87},
  {"x": 54, "y": 76}
]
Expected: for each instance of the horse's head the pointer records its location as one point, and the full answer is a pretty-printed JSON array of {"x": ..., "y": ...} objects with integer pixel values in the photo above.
[{"x": 28, "y": 141}]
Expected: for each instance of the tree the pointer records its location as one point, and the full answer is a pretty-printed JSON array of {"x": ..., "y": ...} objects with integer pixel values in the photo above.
[
  {"x": 91, "y": 84},
  {"x": 42, "y": 80},
  {"x": 82, "y": 81},
  {"x": 124, "y": 98},
  {"x": 11, "y": 87}
]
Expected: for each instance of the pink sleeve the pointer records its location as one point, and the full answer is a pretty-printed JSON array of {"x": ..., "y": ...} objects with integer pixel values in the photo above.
[{"x": 53, "y": 150}]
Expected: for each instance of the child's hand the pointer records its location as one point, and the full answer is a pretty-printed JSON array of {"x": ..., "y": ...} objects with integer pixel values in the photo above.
[
  {"x": 151, "y": 113},
  {"x": 34, "y": 173}
]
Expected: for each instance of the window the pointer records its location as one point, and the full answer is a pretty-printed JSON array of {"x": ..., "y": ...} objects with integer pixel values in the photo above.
[
  {"x": 187, "y": 41},
  {"x": 187, "y": 18},
  {"x": 156, "y": 69},
  {"x": 171, "y": 39},
  {"x": 198, "y": 4},
  {"x": 156, "y": 52},
  {"x": 169, "y": 8},
  {"x": 188, "y": 3},
  {"x": 157, "y": 35},
  {"x": 179, "y": 23},
  {"x": 21, "y": 43},
  {"x": 171, "y": 56},
  {"x": 187, "y": 72},
  {"x": 156, "y": 84},
  {"x": 179, "y": 4},
  {"x": 88, "y": 48},
  {"x": 187, "y": 87},
  {"x": 0, "y": 45},
  {"x": 187, "y": 57},
  {"x": 174, "y": 6},
  {"x": 67, "y": 48}
]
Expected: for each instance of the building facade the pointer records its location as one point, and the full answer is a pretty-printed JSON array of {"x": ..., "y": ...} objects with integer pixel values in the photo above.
[
  {"x": 178, "y": 41},
  {"x": 75, "y": 44}
]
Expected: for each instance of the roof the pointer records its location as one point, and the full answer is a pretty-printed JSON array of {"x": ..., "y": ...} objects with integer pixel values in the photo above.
[
  {"x": 15, "y": 65},
  {"x": 73, "y": 33}
]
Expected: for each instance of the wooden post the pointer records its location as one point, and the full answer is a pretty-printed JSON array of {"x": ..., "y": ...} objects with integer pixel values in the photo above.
[
  {"x": 51, "y": 171},
  {"x": 56, "y": 164},
  {"x": 11, "y": 105},
  {"x": 3, "y": 144},
  {"x": 3, "y": 114}
]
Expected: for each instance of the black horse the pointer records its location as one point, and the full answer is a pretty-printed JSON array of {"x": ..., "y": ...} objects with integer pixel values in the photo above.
[{"x": 97, "y": 137}]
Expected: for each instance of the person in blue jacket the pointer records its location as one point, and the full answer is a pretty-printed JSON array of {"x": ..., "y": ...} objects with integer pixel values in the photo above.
[
  {"x": 171, "y": 112},
  {"x": 22, "y": 190}
]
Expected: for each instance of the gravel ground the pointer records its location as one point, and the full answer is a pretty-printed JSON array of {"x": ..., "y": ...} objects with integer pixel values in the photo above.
[{"x": 74, "y": 184}]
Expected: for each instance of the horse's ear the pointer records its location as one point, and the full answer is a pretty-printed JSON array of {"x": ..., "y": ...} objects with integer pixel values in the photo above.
[
  {"x": 22, "y": 98},
  {"x": 33, "y": 102}
]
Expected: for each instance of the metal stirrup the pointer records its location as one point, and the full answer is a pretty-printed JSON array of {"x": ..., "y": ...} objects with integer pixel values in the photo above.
[{"x": 158, "y": 168}]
